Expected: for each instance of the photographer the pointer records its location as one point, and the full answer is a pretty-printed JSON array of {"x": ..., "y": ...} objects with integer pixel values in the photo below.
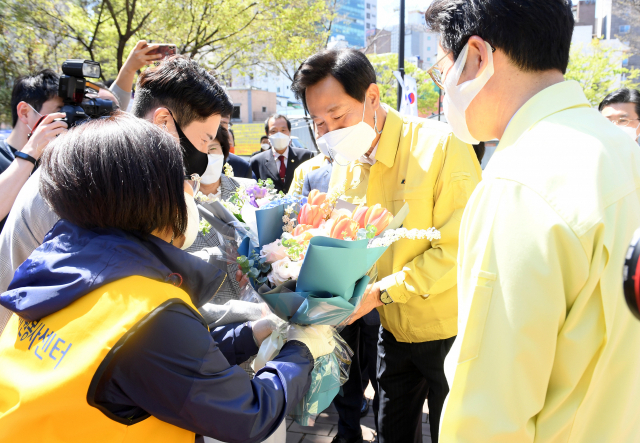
[
  {"x": 33, "y": 96},
  {"x": 177, "y": 88}
]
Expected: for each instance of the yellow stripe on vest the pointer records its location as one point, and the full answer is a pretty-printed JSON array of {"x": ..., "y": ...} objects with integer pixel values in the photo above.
[{"x": 47, "y": 367}]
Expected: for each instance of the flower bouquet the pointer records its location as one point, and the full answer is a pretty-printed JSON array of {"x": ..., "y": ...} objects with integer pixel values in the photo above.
[{"x": 315, "y": 272}]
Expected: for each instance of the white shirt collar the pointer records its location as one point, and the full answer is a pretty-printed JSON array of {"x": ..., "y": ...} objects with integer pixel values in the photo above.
[
  {"x": 277, "y": 156},
  {"x": 371, "y": 158}
]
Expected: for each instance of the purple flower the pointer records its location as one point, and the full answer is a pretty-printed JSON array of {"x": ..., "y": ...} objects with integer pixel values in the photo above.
[{"x": 256, "y": 192}]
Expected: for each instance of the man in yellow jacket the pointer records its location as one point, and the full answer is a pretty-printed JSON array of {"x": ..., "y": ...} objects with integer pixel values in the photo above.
[
  {"x": 546, "y": 349},
  {"x": 381, "y": 157}
]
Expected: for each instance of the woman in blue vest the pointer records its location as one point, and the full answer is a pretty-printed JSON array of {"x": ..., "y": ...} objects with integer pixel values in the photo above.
[{"x": 107, "y": 344}]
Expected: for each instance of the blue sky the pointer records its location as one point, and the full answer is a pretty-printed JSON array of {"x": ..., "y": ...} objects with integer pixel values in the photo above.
[{"x": 388, "y": 17}]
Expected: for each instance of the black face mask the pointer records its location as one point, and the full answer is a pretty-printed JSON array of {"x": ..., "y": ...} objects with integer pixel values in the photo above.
[{"x": 195, "y": 162}]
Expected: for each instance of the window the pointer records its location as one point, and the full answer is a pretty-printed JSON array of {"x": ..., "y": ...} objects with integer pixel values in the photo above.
[
  {"x": 368, "y": 5},
  {"x": 235, "y": 115},
  {"x": 264, "y": 109},
  {"x": 368, "y": 26},
  {"x": 428, "y": 48},
  {"x": 428, "y": 59},
  {"x": 429, "y": 37},
  {"x": 624, "y": 29},
  {"x": 368, "y": 15},
  {"x": 625, "y": 62},
  {"x": 278, "y": 89}
]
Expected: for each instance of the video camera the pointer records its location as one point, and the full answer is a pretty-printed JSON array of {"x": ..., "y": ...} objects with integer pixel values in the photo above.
[{"x": 73, "y": 89}]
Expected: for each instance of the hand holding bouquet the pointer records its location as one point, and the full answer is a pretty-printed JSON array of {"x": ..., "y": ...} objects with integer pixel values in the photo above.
[{"x": 315, "y": 270}]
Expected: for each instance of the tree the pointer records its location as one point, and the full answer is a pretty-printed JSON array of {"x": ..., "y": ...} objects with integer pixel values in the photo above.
[
  {"x": 385, "y": 64},
  {"x": 598, "y": 69},
  {"x": 220, "y": 34},
  {"x": 307, "y": 27}
]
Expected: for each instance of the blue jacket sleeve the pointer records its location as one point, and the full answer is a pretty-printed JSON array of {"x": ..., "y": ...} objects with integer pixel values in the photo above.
[
  {"x": 236, "y": 342},
  {"x": 306, "y": 187},
  {"x": 172, "y": 368}
]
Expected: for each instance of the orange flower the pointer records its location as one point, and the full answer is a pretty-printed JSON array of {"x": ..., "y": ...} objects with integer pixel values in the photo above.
[
  {"x": 310, "y": 215},
  {"x": 316, "y": 197},
  {"x": 359, "y": 214},
  {"x": 300, "y": 229},
  {"x": 344, "y": 227},
  {"x": 304, "y": 237},
  {"x": 378, "y": 217}
]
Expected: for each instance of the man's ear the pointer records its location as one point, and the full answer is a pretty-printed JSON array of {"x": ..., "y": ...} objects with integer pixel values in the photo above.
[
  {"x": 373, "y": 96},
  {"x": 163, "y": 118},
  {"x": 477, "y": 59},
  {"x": 23, "y": 109}
]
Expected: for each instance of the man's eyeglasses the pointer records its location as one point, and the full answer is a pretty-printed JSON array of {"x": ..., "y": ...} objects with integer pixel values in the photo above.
[
  {"x": 195, "y": 185},
  {"x": 623, "y": 121},
  {"x": 435, "y": 73}
]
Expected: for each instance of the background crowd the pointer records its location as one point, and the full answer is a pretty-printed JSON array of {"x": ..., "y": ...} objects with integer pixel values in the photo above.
[{"x": 512, "y": 325}]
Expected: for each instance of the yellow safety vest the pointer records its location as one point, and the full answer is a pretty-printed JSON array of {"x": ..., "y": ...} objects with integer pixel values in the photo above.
[{"x": 50, "y": 368}]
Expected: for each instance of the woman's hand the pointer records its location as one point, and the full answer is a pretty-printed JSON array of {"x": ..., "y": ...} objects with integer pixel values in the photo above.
[
  {"x": 241, "y": 279},
  {"x": 47, "y": 130},
  {"x": 263, "y": 328}
]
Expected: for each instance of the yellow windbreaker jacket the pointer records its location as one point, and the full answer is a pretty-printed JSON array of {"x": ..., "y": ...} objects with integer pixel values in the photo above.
[
  {"x": 547, "y": 350},
  {"x": 421, "y": 163},
  {"x": 301, "y": 172}
]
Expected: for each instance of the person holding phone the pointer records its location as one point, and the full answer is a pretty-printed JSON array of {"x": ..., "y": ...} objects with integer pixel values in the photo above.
[{"x": 143, "y": 54}]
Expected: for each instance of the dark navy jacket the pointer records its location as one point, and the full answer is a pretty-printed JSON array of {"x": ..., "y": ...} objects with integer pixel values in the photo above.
[{"x": 172, "y": 367}]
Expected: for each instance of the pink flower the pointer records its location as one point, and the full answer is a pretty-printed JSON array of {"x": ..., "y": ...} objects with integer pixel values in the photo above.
[{"x": 273, "y": 251}]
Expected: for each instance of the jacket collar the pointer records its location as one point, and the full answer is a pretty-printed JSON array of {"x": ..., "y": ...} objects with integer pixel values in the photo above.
[
  {"x": 74, "y": 261},
  {"x": 554, "y": 99},
  {"x": 390, "y": 138}
]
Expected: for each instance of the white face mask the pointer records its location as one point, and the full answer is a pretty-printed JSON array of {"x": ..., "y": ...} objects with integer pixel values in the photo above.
[
  {"x": 352, "y": 142},
  {"x": 265, "y": 146},
  {"x": 214, "y": 169},
  {"x": 322, "y": 147},
  {"x": 193, "y": 221},
  {"x": 630, "y": 131},
  {"x": 279, "y": 141},
  {"x": 458, "y": 97}
]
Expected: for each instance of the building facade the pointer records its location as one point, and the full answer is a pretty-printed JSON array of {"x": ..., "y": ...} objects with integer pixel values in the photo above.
[
  {"x": 349, "y": 22},
  {"x": 613, "y": 22},
  {"x": 370, "y": 19}
]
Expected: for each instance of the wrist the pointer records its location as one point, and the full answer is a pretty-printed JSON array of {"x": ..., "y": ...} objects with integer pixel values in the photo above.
[
  {"x": 31, "y": 151},
  {"x": 23, "y": 157}
]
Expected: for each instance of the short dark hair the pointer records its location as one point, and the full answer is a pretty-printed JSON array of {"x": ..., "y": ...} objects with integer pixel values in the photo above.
[
  {"x": 479, "y": 149},
  {"x": 223, "y": 138},
  {"x": 184, "y": 87},
  {"x": 275, "y": 117},
  {"x": 622, "y": 95},
  {"x": 534, "y": 34},
  {"x": 116, "y": 172},
  {"x": 351, "y": 68},
  {"x": 263, "y": 137},
  {"x": 34, "y": 89},
  {"x": 233, "y": 136}
]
